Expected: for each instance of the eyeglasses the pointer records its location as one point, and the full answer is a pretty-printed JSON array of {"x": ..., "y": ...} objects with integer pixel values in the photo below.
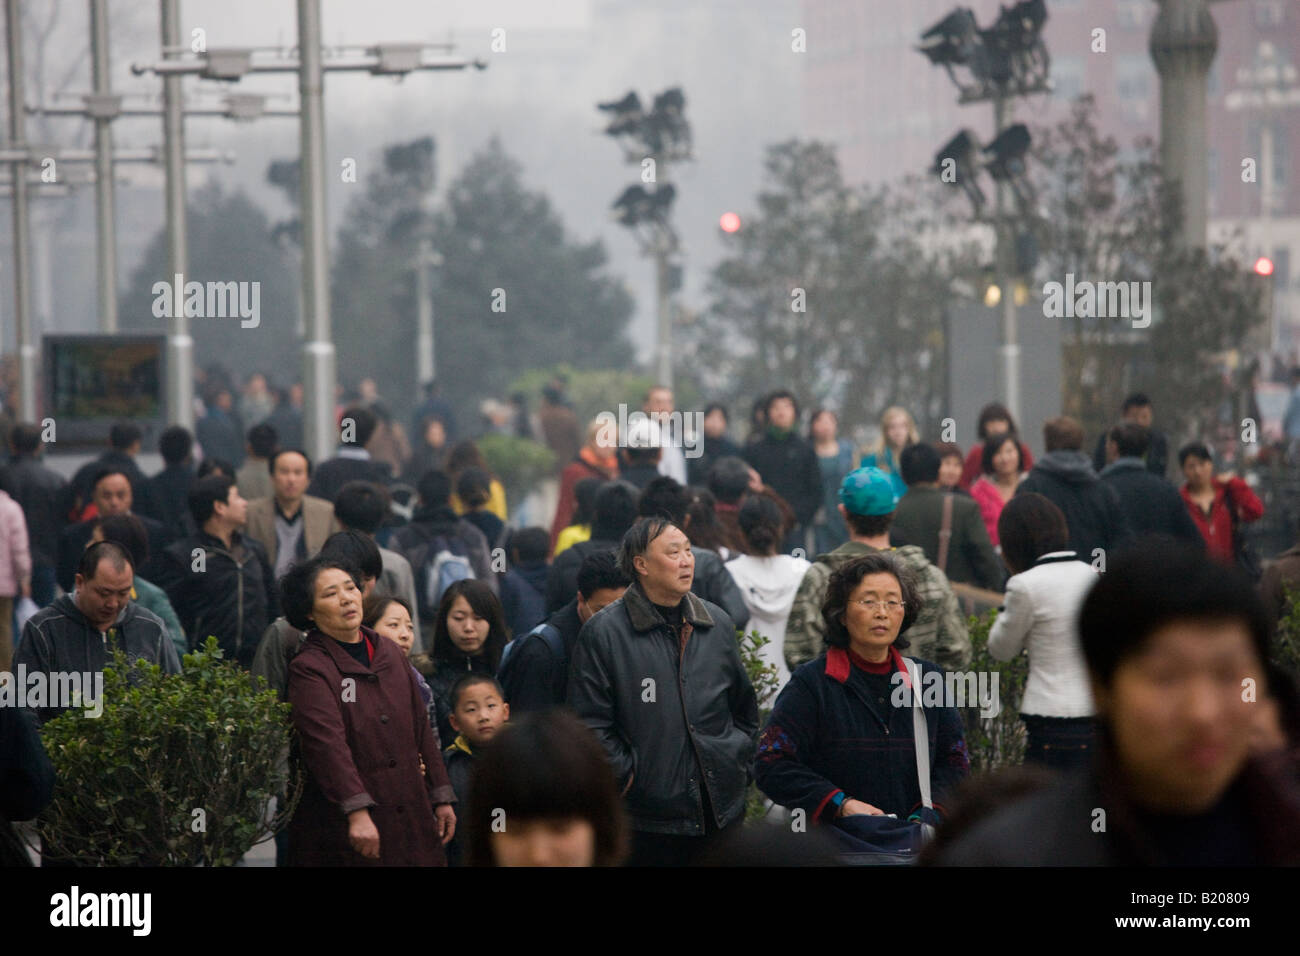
[{"x": 869, "y": 604}]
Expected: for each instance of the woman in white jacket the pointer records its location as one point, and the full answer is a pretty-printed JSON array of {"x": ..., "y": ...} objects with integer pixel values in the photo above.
[
  {"x": 1040, "y": 616},
  {"x": 767, "y": 580}
]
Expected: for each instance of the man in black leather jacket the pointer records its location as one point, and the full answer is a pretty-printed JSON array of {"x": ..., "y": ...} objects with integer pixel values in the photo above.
[{"x": 658, "y": 677}]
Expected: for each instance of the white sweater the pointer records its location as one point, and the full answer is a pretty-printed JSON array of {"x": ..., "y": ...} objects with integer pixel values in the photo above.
[
  {"x": 769, "y": 586},
  {"x": 1041, "y": 616}
]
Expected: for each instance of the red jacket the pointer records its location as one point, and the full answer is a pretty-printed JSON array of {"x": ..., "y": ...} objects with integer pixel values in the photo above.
[
  {"x": 1216, "y": 527},
  {"x": 362, "y": 732},
  {"x": 584, "y": 466},
  {"x": 974, "y": 466}
]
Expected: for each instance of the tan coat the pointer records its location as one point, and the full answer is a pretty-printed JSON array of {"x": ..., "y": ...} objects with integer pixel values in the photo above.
[{"x": 318, "y": 523}]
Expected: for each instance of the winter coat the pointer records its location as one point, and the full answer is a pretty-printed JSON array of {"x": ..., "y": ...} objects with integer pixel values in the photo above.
[
  {"x": 790, "y": 466},
  {"x": 938, "y": 634},
  {"x": 458, "y": 757},
  {"x": 835, "y": 729},
  {"x": 562, "y": 576},
  {"x": 169, "y": 499},
  {"x": 1156, "y": 460},
  {"x": 974, "y": 466},
  {"x": 74, "y": 538},
  {"x": 26, "y": 780},
  {"x": 711, "y": 449},
  {"x": 233, "y": 597},
  {"x": 153, "y": 598},
  {"x": 536, "y": 678},
  {"x": 1256, "y": 822},
  {"x": 984, "y": 492},
  {"x": 918, "y": 519},
  {"x": 362, "y": 732},
  {"x": 1091, "y": 507},
  {"x": 586, "y": 465},
  {"x": 1041, "y": 616},
  {"x": 60, "y": 638},
  {"x": 39, "y": 491},
  {"x": 428, "y": 524},
  {"x": 275, "y": 650},
  {"x": 523, "y": 597},
  {"x": 677, "y": 715},
  {"x": 15, "y": 557},
  {"x": 1150, "y": 504},
  {"x": 318, "y": 523},
  {"x": 1216, "y": 527},
  {"x": 332, "y": 474},
  {"x": 768, "y": 585}
]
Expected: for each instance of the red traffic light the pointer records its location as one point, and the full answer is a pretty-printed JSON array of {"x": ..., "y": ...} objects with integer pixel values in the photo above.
[
  {"x": 729, "y": 222},
  {"x": 1264, "y": 266}
]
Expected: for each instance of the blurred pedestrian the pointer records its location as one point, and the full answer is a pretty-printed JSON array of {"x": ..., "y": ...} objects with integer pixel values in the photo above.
[
  {"x": 289, "y": 524},
  {"x": 254, "y": 475},
  {"x": 598, "y": 458},
  {"x": 430, "y": 452},
  {"x": 897, "y": 431},
  {"x": 169, "y": 490},
  {"x": 474, "y": 495},
  {"x": 615, "y": 512},
  {"x": 463, "y": 456},
  {"x": 1137, "y": 410},
  {"x": 788, "y": 463},
  {"x": 715, "y": 444},
  {"x": 523, "y": 583},
  {"x": 39, "y": 491},
  {"x": 352, "y": 461},
  {"x": 362, "y": 506},
  {"x": 584, "y": 495},
  {"x": 1151, "y": 505},
  {"x": 1001, "y": 472},
  {"x": 994, "y": 419},
  {"x": 1219, "y": 506},
  {"x": 559, "y": 426},
  {"x": 950, "y": 465},
  {"x": 15, "y": 571},
  {"x": 835, "y": 459}
]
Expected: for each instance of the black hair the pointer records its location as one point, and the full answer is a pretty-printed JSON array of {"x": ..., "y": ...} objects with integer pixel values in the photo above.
[
  {"x": 615, "y": 510},
  {"x": 362, "y": 505},
  {"x": 530, "y": 545},
  {"x": 175, "y": 444},
  {"x": 358, "y": 549},
  {"x": 215, "y": 466},
  {"x": 762, "y": 524},
  {"x": 1136, "y": 400},
  {"x": 364, "y": 425},
  {"x": 298, "y": 587},
  {"x": 474, "y": 488},
  {"x": 599, "y": 570},
  {"x": 546, "y": 765},
  {"x": 868, "y": 526},
  {"x": 434, "y": 488},
  {"x": 123, "y": 435},
  {"x": 664, "y": 497},
  {"x": 472, "y": 679},
  {"x": 204, "y": 494},
  {"x": 992, "y": 412},
  {"x": 373, "y": 607},
  {"x": 919, "y": 462},
  {"x": 104, "y": 472},
  {"x": 1160, "y": 582},
  {"x": 818, "y": 413},
  {"x": 994, "y": 445},
  {"x": 263, "y": 440},
  {"x": 584, "y": 497},
  {"x": 25, "y": 438},
  {"x": 486, "y": 605},
  {"x": 272, "y": 458},
  {"x": 637, "y": 540},
  {"x": 1030, "y": 526},
  {"x": 648, "y": 455},
  {"x": 1194, "y": 449},
  {"x": 706, "y": 531},
  {"x": 845, "y": 579},
  {"x": 719, "y": 407},
  {"x": 728, "y": 479},
  {"x": 117, "y": 555},
  {"x": 128, "y": 531},
  {"x": 1131, "y": 441},
  {"x": 779, "y": 394}
]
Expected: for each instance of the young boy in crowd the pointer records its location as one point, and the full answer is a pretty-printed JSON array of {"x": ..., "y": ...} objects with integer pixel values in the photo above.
[{"x": 478, "y": 711}]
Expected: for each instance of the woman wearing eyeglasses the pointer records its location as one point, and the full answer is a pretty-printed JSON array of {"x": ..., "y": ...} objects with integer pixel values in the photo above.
[{"x": 840, "y": 740}]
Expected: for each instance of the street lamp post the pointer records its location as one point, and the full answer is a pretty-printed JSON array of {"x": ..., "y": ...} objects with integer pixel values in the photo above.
[{"x": 21, "y": 221}]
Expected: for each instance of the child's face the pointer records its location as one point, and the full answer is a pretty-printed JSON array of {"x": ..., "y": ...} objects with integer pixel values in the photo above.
[
  {"x": 545, "y": 843},
  {"x": 395, "y": 624},
  {"x": 479, "y": 713}
]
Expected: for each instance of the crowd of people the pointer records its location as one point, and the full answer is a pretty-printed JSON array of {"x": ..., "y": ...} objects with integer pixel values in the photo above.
[{"x": 468, "y": 691}]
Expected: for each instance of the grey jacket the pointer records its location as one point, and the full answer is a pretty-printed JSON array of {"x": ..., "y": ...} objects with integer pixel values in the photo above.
[{"x": 59, "y": 639}]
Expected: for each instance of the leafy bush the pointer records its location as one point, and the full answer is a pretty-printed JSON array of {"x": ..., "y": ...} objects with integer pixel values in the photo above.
[
  {"x": 764, "y": 677},
  {"x": 1286, "y": 648},
  {"x": 593, "y": 391},
  {"x": 519, "y": 463},
  {"x": 997, "y": 741},
  {"x": 179, "y": 770}
]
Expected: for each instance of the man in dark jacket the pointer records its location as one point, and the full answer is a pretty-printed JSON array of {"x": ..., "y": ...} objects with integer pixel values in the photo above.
[
  {"x": 40, "y": 492},
  {"x": 76, "y": 634},
  {"x": 1151, "y": 505},
  {"x": 123, "y": 445},
  {"x": 219, "y": 431},
  {"x": 788, "y": 463},
  {"x": 658, "y": 678},
  {"x": 169, "y": 490},
  {"x": 614, "y": 512},
  {"x": 537, "y": 678},
  {"x": 352, "y": 462},
  {"x": 111, "y": 493},
  {"x": 219, "y": 580},
  {"x": 969, "y": 557},
  {"x": 434, "y": 527},
  {"x": 1136, "y": 410},
  {"x": 1065, "y": 477},
  {"x": 523, "y": 585},
  {"x": 665, "y": 498}
]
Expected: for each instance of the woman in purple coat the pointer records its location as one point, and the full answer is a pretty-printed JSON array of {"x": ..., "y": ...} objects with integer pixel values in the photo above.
[{"x": 376, "y": 791}]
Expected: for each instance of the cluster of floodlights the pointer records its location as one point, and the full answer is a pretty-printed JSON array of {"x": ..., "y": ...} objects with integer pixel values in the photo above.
[
  {"x": 1006, "y": 59},
  {"x": 962, "y": 157},
  {"x": 663, "y": 131}
]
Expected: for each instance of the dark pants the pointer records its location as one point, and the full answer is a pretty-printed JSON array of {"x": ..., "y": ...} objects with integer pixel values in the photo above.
[
  {"x": 667, "y": 849},
  {"x": 1058, "y": 743},
  {"x": 43, "y": 584}
]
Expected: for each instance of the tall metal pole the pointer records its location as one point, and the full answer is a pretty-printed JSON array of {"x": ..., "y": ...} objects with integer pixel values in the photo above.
[
  {"x": 424, "y": 359},
  {"x": 180, "y": 346},
  {"x": 105, "y": 245},
  {"x": 21, "y": 222},
  {"x": 318, "y": 350},
  {"x": 1010, "y": 347}
]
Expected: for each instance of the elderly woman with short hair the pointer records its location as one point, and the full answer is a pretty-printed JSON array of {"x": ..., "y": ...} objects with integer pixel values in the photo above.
[{"x": 840, "y": 740}]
